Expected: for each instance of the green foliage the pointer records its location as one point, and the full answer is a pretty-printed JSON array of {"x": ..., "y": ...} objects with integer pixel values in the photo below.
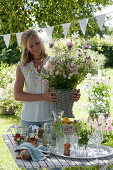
[
  {"x": 58, "y": 12},
  {"x": 7, "y": 78},
  {"x": 15, "y": 16},
  {"x": 99, "y": 93},
  {"x": 103, "y": 46},
  {"x": 57, "y": 129},
  {"x": 11, "y": 55},
  {"x": 82, "y": 132}
]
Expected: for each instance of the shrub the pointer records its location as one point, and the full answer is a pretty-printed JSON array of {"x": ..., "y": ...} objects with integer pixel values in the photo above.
[
  {"x": 103, "y": 46},
  {"x": 7, "y": 78},
  {"x": 11, "y": 55},
  {"x": 99, "y": 92}
]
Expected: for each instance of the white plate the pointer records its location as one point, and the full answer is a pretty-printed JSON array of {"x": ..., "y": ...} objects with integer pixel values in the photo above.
[{"x": 91, "y": 152}]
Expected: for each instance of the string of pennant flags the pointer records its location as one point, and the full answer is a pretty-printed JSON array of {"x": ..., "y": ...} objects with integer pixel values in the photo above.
[{"x": 83, "y": 24}]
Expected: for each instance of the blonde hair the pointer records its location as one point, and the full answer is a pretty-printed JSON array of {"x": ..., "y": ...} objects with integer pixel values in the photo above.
[{"x": 26, "y": 55}]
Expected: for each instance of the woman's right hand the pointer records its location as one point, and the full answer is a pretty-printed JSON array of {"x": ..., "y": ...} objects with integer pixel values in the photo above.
[{"x": 50, "y": 96}]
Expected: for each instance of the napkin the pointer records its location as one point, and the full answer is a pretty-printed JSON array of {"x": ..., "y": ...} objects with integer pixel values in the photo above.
[
  {"x": 43, "y": 149},
  {"x": 35, "y": 152}
]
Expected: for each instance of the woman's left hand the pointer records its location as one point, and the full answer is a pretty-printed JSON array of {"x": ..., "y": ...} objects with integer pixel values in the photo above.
[{"x": 76, "y": 96}]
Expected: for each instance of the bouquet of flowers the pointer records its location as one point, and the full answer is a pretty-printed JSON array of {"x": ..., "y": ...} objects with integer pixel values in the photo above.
[{"x": 68, "y": 67}]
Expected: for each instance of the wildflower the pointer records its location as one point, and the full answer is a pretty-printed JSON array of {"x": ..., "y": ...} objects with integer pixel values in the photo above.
[
  {"x": 45, "y": 81},
  {"x": 64, "y": 75},
  {"x": 86, "y": 46},
  {"x": 100, "y": 119},
  {"x": 109, "y": 120},
  {"x": 109, "y": 127},
  {"x": 38, "y": 67},
  {"x": 51, "y": 44},
  {"x": 48, "y": 66},
  {"x": 65, "y": 66},
  {"x": 51, "y": 59},
  {"x": 80, "y": 54},
  {"x": 63, "y": 61},
  {"x": 69, "y": 46}
]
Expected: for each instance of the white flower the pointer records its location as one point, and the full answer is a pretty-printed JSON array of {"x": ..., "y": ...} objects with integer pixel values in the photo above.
[
  {"x": 57, "y": 72},
  {"x": 4, "y": 71}
]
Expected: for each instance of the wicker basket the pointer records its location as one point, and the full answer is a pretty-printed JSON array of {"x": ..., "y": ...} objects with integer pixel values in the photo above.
[{"x": 64, "y": 102}]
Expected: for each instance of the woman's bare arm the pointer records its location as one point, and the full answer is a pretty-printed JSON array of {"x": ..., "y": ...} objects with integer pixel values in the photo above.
[{"x": 20, "y": 95}]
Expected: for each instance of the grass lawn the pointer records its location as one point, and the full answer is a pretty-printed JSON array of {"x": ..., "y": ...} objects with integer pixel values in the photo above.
[
  {"x": 80, "y": 112},
  {"x": 6, "y": 160}
]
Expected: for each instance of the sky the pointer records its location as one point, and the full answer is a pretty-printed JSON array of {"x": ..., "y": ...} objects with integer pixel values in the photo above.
[{"x": 109, "y": 12}]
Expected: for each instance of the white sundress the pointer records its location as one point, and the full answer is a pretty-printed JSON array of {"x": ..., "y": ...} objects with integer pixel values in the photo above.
[{"x": 35, "y": 111}]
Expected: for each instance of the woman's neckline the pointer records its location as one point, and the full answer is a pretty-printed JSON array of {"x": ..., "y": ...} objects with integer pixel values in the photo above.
[
  {"x": 36, "y": 66},
  {"x": 37, "y": 58}
]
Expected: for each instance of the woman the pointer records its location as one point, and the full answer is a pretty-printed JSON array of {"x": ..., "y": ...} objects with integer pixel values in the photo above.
[{"x": 36, "y": 97}]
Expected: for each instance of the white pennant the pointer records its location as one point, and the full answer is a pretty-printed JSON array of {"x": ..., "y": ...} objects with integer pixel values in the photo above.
[
  {"x": 100, "y": 19},
  {"x": 83, "y": 24},
  {"x": 66, "y": 28},
  {"x": 6, "y": 39},
  {"x": 49, "y": 31},
  {"x": 34, "y": 127},
  {"x": 18, "y": 35},
  {"x": 43, "y": 35}
]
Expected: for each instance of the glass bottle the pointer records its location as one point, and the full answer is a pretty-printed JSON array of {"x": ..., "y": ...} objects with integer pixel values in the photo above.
[{"x": 45, "y": 136}]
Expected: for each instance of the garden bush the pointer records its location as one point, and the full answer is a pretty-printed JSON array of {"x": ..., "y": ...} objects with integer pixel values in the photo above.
[
  {"x": 7, "y": 78},
  {"x": 12, "y": 54},
  {"x": 98, "y": 94},
  {"x": 103, "y": 46}
]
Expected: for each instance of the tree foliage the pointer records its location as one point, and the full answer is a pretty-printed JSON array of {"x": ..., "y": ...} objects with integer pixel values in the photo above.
[
  {"x": 57, "y": 12},
  {"x": 16, "y": 16}
]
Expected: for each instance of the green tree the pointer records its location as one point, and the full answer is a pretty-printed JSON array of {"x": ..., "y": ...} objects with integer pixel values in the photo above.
[
  {"x": 15, "y": 16},
  {"x": 56, "y": 12},
  {"x": 19, "y": 15}
]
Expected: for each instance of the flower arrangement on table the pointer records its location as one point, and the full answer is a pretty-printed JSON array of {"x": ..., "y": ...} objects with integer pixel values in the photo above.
[
  {"x": 70, "y": 127},
  {"x": 68, "y": 67}
]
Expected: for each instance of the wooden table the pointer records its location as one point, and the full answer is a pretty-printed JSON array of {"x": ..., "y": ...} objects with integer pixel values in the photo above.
[{"x": 56, "y": 161}]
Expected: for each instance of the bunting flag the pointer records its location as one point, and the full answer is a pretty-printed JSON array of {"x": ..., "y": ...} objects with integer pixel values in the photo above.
[
  {"x": 18, "y": 36},
  {"x": 13, "y": 126},
  {"x": 100, "y": 20},
  {"x": 49, "y": 31},
  {"x": 6, "y": 39},
  {"x": 43, "y": 35},
  {"x": 34, "y": 127},
  {"x": 83, "y": 24},
  {"x": 16, "y": 126},
  {"x": 9, "y": 130},
  {"x": 66, "y": 28}
]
